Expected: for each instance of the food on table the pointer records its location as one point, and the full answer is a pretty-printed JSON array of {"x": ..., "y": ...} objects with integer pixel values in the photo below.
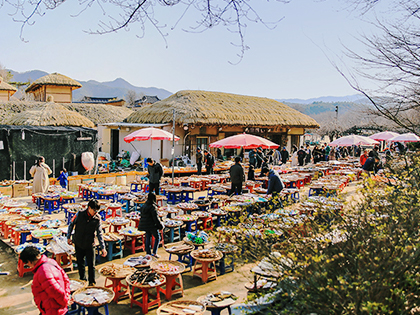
[
  {"x": 116, "y": 270},
  {"x": 140, "y": 261},
  {"x": 206, "y": 253},
  {"x": 145, "y": 277},
  {"x": 187, "y": 206},
  {"x": 48, "y": 233},
  {"x": 172, "y": 223},
  {"x": 21, "y": 247},
  {"x": 166, "y": 267},
  {"x": 76, "y": 284},
  {"x": 130, "y": 231},
  {"x": 186, "y": 217}
]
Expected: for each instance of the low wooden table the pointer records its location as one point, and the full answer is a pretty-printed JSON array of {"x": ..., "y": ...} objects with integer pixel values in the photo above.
[{"x": 171, "y": 277}]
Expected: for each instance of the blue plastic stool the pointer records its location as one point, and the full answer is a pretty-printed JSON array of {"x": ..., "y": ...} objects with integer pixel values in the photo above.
[
  {"x": 94, "y": 310},
  {"x": 172, "y": 236},
  {"x": 185, "y": 259},
  {"x": 51, "y": 205},
  {"x": 222, "y": 266},
  {"x": 111, "y": 253}
]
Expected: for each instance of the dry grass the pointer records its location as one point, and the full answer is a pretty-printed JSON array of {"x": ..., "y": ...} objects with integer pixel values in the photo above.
[
  {"x": 54, "y": 79},
  {"x": 49, "y": 114},
  {"x": 214, "y": 108}
]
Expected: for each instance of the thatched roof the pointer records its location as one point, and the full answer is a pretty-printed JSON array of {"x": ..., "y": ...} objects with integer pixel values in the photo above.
[
  {"x": 4, "y": 86},
  {"x": 54, "y": 79},
  {"x": 214, "y": 108},
  {"x": 49, "y": 114},
  {"x": 98, "y": 114}
]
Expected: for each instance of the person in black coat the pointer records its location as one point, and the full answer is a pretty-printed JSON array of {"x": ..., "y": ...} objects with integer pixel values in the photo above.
[
  {"x": 86, "y": 223},
  {"x": 260, "y": 157},
  {"x": 284, "y": 155},
  {"x": 209, "y": 160},
  {"x": 150, "y": 223},
  {"x": 301, "y": 156},
  {"x": 155, "y": 173},
  {"x": 199, "y": 161},
  {"x": 237, "y": 177},
  {"x": 251, "y": 172}
]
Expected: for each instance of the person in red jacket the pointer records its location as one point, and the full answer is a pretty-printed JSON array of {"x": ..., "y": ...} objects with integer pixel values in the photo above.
[
  {"x": 50, "y": 286},
  {"x": 364, "y": 157}
]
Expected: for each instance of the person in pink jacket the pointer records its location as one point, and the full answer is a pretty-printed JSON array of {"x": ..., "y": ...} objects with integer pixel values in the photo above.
[{"x": 50, "y": 286}]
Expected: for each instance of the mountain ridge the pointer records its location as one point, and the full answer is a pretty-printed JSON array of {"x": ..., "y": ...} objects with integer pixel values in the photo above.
[{"x": 116, "y": 88}]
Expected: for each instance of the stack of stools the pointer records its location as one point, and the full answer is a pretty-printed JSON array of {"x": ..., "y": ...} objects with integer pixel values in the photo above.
[
  {"x": 205, "y": 268},
  {"x": 145, "y": 295},
  {"x": 173, "y": 227},
  {"x": 114, "y": 208},
  {"x": 51, "y": 204},
  {"x": 134, "y": 242},
  {"x": 174, "y": 195},
  {"x": 172, "y": 271},
  {"x": 183, "y": 251},
  {"x": 113, "y": 242},
  {"x": 228, "y": 253}
]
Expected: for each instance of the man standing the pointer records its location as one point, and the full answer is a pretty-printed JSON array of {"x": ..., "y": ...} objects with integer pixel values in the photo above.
[
  {"x": 284, "y": 155},
  {"x": 253, "y": 157},
  {"x": 237, "y": 176},
  {"x": 199, "y": 161},
  {"x": 301, "y": 156},
  {"x": 155, "y": 171},
  {"x": 308, "y": 154},
  {"x": 50, "y": 286},
  {"x": 87, "y": 222},
  {"x": 327, "y": 152},
  {"x": 260, "y": 157},
  {"x": 209, "y": 160}
]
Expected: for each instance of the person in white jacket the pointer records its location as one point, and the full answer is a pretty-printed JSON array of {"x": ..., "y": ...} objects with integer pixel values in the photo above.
[{"x": 40, "y": 172}]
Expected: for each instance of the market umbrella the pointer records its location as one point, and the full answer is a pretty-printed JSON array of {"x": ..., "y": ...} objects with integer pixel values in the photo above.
[
  {"x": 406, "y": 137},
  {"x": 348, "y": 141},
  {"x": 384, "y": 135},
  {"x": 150, "y": 134},
  {"x": 245, "y": 141}
]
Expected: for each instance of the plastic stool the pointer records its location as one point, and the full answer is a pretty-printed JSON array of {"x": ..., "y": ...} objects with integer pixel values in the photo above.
[{"x": 111, "y": 253}]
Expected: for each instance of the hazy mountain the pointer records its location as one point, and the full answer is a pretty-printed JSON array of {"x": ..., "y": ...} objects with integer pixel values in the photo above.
[
  {"x": 356, "y": 98},
  {"x": 117, "y": 88}
]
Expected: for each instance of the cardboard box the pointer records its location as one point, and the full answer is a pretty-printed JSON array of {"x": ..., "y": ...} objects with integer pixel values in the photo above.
[
  {"x": 100, "y": 179},
  {"x": 110, "y": 180},
  {"x": 73, "y": 184},
  {"x": 164, "y": 162},
  {"x": 130, "y": 178},
  {"x": 7, "y": 190},
  {"x": 20, "y": 190},
  {"x": 121, "y": 180}
]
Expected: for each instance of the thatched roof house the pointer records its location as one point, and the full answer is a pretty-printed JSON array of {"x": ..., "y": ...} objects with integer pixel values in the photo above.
[
  {"x": 222, "y": 109},
  {"x": 204, "y": 117},
  {"x": 6, "y": 90},
  {"x": 59, "y": 86},
  {"x": 49, "y": 114},
  {"x": 98, "y": 114}
]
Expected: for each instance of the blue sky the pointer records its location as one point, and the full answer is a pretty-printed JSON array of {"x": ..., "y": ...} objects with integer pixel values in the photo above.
[{"x": 287, "y": 62}]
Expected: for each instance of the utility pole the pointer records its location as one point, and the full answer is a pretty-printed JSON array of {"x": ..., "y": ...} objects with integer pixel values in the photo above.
[{"x": 173, "y": 147}]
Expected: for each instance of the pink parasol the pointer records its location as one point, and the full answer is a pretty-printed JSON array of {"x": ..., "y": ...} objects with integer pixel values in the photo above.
[
  {"x": 149, "y": 133},
  {"x": 245, "y": 141},
  {"x": 384, "y": 135},
  {"x": 348, "y": 141},
  {"x": 406, "y": 137}
]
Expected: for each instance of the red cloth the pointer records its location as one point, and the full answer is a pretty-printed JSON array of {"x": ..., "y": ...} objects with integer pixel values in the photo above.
[
  {"x": 363, "y": 159},
  {"x": 50, "y": 287}
]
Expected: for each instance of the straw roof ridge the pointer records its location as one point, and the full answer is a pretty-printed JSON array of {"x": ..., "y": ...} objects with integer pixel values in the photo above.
[
  {"x": 217, "y": 108},
  {"x": 49, "y": 114},
  {"x": 4, "y": 86},
  {"x": 54, "y": 79},
  {"x": 100, "y": 113},
  {"x": 94, "y": 112}
]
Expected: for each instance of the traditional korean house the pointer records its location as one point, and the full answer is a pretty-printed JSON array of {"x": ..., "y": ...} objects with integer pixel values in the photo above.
[
  {"x": 203, "y": 117},
  {"x": 6, "y": 90},
  {"x": 55, "y": 84}
]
